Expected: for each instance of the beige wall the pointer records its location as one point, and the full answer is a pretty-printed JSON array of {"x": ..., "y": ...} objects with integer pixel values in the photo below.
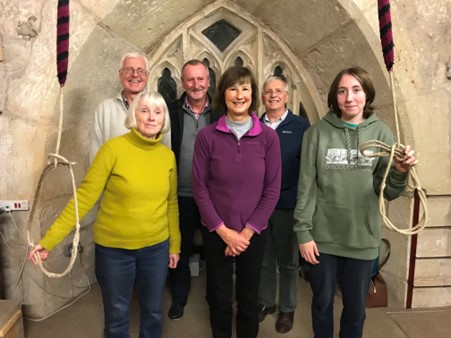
[{"x": 324, "y": 36}]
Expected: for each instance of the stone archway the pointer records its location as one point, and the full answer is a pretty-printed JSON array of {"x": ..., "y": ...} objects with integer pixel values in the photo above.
[
  {"x": 222, "y": 37},
  {"x": 317, "y": 39},
  {"x": 93, "y": 73}
]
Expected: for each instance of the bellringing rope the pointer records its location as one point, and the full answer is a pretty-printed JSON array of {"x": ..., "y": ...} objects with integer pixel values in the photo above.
[
  {"x": 62, "y": 40},
  {"x": 62, "y": 62},
  {"x": 386, "y": 36},
  {"x": 386, "y": 33}
]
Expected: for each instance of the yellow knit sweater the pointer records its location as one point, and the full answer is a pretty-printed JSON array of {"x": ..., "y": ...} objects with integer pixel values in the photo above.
[{"x": 138, "y": 178}]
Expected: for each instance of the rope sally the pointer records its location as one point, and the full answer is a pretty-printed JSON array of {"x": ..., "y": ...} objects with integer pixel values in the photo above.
[
  {"x": 62, "y": 57},
  {"x": 62, "y": 40},
  {"x": 62, "y": 60},
  {"x": 386, "y": 35}
]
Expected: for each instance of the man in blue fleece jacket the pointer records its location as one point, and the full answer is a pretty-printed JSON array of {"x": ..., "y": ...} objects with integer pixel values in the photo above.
[{"x": 281, "y": 249}]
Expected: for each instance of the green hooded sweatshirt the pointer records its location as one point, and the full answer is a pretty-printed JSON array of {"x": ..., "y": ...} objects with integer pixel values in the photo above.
[{"x": 338, "y": 193}]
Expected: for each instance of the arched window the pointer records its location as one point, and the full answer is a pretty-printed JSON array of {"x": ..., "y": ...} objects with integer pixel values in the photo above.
[
  {"x": 278, "y": 71},
  {"x": 224, "y": 35},
  {"x": 167, "y": 86},
  {"x": 212, "y": 73}
]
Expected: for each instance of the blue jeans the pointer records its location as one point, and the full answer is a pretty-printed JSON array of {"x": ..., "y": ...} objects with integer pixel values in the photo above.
[
  {"x": 353, "y": 278},
  {"x": 117, "y": 272}
]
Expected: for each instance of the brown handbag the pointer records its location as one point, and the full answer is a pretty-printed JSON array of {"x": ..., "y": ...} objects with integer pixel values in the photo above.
[{"x": 377, "y": 292}]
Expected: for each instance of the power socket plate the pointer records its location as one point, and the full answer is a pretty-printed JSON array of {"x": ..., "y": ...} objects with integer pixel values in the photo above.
[{"x": 13, "y": 205}]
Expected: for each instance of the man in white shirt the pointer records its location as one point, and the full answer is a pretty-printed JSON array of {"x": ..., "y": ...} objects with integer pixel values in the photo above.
[{"x": 110, "y": 114}]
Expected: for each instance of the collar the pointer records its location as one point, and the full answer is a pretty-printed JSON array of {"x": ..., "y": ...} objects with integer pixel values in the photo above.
[
  {"x": 188, "y": 107},
  {"x": 254, "y": 131},
  {"x": 140, "y": 141},
  {"x": 279, "y": 120},
  {"x": 124, "y": 100}
]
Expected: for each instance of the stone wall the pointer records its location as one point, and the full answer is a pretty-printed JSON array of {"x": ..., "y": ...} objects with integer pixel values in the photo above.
[{"x": 324, "y": 36}]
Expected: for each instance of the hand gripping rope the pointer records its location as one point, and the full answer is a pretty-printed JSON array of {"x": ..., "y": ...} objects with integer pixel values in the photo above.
[
  {"x": 396, "y": 149},
  {"x": 62, "y": 59}
]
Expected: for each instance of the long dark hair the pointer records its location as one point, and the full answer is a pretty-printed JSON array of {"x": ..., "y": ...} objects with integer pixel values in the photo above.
[{"x": 367, "y": 85}]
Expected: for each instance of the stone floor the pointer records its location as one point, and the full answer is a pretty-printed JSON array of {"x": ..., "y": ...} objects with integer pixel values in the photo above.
[{"x": 84, "y": 319}]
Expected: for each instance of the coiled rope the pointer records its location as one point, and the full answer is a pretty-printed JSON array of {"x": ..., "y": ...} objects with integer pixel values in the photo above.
[
  {"x": 396, "y": 149},
  {"x": 62, "y": 55}
]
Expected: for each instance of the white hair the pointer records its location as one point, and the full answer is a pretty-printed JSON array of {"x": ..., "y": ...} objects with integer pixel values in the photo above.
[
  {"x": 135, "y": 55},
  {"x": 153, "y": 99}
]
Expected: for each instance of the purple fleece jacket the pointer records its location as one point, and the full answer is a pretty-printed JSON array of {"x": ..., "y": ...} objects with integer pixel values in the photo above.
[{"x": 236, "y": 183}]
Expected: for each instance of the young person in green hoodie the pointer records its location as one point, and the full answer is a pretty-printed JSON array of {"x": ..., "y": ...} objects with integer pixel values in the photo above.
[
  {"x": 136, "y": 232},
  {"x": 337, "y": 212}
]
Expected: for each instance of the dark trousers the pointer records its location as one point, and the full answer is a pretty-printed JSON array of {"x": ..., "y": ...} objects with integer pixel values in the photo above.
[
  {"x": 180, "y": 278},
  {"x": 282, "y": 253},
  {"x": 220, "y": 285},
  {"x": 353, "y": 278}
]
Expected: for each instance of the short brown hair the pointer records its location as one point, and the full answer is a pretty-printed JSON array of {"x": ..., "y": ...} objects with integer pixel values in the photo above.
[{"x": 232, "y": 75}]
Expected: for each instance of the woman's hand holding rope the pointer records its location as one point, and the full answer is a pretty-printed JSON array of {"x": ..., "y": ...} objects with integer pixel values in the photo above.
[
  {"x": 406, "y": 162},
  {"x": 38, "y": 254}
]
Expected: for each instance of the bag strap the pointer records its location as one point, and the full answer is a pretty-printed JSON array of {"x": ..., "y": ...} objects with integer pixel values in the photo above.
[{"x": 387, "y": 255}]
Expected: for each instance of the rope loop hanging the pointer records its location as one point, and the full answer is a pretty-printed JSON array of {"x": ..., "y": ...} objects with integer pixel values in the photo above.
[
  {"x": 397, "y": 149},
  {"x": 60, "y": 161},
  {"x": 62, "y": 62}
]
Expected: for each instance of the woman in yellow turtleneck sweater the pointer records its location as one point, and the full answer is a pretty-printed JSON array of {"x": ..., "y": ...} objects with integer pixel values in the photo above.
[{"x": 136, "y": 232}]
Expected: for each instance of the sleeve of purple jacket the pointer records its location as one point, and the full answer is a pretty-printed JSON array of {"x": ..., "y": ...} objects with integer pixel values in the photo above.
[
  {"x": 258, "y": 221},
  {"x": 201, "y": 169}
]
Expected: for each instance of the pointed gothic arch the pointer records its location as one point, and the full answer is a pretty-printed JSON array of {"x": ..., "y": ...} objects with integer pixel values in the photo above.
[{"x": 222, "y": 34}]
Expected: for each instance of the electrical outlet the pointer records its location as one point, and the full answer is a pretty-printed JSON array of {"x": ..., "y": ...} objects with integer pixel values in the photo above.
[
  {"x": 13, "y": 205},
  {"x": 67, "y": 249}
]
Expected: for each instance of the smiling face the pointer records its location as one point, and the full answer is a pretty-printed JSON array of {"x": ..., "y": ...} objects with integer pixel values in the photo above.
[
  {"x": 133, "y": 75},
  {"x": 275, "y": 97},
  {"x": 195, "y": 82},
  {"x": 149, "y": 119},
  {"x": 238, "y": 99},
  {"x": 351, "y": 99}
]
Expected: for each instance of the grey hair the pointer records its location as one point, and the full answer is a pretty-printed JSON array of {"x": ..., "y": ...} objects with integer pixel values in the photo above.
[
  {"x": 195, "y": 62},
  {"x": 134, "y": 55},
  {"x": 274, "y": 78},
  {"x": 153, "y": 99}
]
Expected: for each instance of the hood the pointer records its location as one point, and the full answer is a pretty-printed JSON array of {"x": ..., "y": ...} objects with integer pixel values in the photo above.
[
  {"x": 349, "y": 132},
  {"x": 334, "y": 120}
]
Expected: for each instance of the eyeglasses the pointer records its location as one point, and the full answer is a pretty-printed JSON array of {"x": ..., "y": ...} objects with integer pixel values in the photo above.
[
  {"x": 276, "y": 91},
  {"x": 131, "y": 70}
]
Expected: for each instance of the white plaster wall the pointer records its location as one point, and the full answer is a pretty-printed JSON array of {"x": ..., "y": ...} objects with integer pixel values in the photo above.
[
  {"x": 29, "y": 102},
  {"x": 325, "y": 36}
]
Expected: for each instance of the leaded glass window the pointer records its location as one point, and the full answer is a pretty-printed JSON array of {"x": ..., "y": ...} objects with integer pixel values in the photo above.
[
  {"x": 167, "y": 86},
  {"x": 212, "y": 73},
  {"x": 222, "y": 34}
]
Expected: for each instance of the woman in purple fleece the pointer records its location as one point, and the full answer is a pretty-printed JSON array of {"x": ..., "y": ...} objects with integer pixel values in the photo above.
[{"x": 236, "y": 185}]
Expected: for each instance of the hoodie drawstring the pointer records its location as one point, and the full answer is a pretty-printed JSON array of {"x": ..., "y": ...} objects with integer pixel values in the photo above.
[{"x": 349, "y": 146}]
